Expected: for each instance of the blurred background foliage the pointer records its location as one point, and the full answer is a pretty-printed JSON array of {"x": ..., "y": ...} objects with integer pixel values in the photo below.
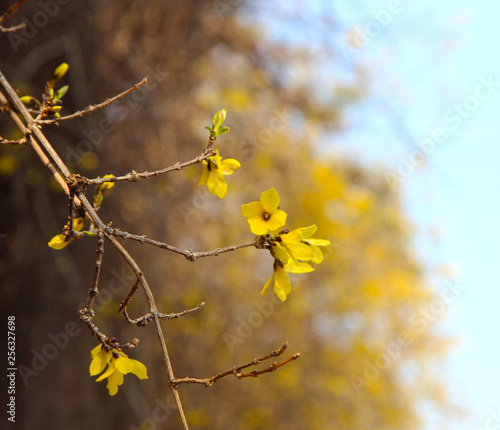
[{"x": 200, "y": 56}]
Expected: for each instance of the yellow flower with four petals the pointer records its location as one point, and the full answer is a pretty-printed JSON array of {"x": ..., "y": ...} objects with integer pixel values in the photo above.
[{"x": 265, "y": 215}]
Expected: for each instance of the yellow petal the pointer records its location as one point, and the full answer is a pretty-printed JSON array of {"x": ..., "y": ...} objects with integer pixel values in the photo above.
[
  {"x": 267, "y": 285},
  {"x": 139, "y": 370},
  {"x": 277, "y": 220},
  {"x": 318, "y": 242},
  {"x": 124, "y": 365},
  {"x": 253, "y": 209},
  {"x": 282, "y": 285},
  {"x": 258, "y": 225},
  {"x": 306, "y": 232},
  {"x": 59, "y": 241},
  {"x": 229, "y": 166},
  {"x": 111, "y": 369},
  {"x": 107, "y": 185},
  {"x": 204, "y": 176},
  {"x": 217, "y": 184},
  {"x": 99, "y": 362},
  {"x": 78, "y": 224},
  {"x": 96, "y": 350},
  {"x": 292, "y": 267},
  {"x": 114, "y": 381},
  {"x": 270, "y": 200}
]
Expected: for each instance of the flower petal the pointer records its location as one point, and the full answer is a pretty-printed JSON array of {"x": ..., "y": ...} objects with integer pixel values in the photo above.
[
  {"x": 277, "y": 220},
  {"x": 318, "y": 242},
  {"x": 139, "y": 370},
  {"x": 204, "y": 176},
  {"x": 124, "y": 365},
  {"x": 292, "y": 267},
  {"x": 99, "y": 362},
  {"x": 229, "y": 166},
  {"x": 270, "y": 200},
  {"x": 114, "y": 381},
  {"x": 253, "y": 209},
  {"x": 258, "y": 225},
  {"x": 108, "y": 372},
  {"x": 267, "y": 284},
  {"x": 59, "y": 242},
  {"x": 217, "y": 184},
  {"x": 307, "y": 232},
  {"x": 282, "y": 285},
  {"x": 78, "y": 224}
]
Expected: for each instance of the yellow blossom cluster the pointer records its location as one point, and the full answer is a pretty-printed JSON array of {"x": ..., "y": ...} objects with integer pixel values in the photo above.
[{"x": 292, "y": 250}]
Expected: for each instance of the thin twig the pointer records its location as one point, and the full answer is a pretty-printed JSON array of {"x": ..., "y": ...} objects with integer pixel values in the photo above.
[
  {"x": 189, "y": 254},
  {"x": 13, "y": 28},
  {"x": 22, "y": 141},
  {"x": 91, "y": 108},
  {"x": 142, "y": 321},
  {"x": 236, "y": 371},
  {"x": 94, "y": 290},
  {"x": 134, "y": 176},
  {"x": 11, "y": 10}
]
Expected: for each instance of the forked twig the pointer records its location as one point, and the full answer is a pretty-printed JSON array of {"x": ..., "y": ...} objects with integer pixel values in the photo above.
[
  {"x": 236, "y": 371},
  {"x": 142, "y": 321}
]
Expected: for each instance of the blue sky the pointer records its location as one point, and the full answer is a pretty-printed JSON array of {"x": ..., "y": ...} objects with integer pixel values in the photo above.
[
  {"x": 431, "y": 66},
  {"x": 426, "y": 65}
]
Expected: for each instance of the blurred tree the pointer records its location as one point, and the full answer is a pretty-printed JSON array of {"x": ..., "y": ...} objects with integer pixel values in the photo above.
[{"x": 346, "y": 319}]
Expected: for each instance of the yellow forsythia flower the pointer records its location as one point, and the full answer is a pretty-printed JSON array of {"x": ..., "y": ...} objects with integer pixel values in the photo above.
[
  {"x": 214, "y": 171},
  {"x": 117, "y": 367},
  {"x": 60, "y": 241},
  {"x": 264, "y": 216},
  {"x": 107, "y": 185}
]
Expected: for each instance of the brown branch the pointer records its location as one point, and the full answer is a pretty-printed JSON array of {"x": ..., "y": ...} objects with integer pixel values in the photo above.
[
  {"x": 34, "y": 131},
  {"x": 189, "y": 254},
  {"x": 94, "y": 290},
  {"x": 11, "y": 10},
  {"x": 236, "y": 371},
  {"x": 142, "y": 321},
  {"x": 13, "y": 28},
  {"x": 92, "y": 108},
  {"x": 133, "y": 176},
  {"x": 22, "y": 141}
]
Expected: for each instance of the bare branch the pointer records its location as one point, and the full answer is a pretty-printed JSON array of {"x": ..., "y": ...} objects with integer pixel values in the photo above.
[
  {"x": 92, "y": 108},
  {"x": 189, "y": 254},
  {"x": 11, "y": 10},
  {"x": 13, "y": 28},
  {"x": 133, "y": 176},
  {"x": 142, "y": 321},
  {"x": 236, "y": 371}
]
